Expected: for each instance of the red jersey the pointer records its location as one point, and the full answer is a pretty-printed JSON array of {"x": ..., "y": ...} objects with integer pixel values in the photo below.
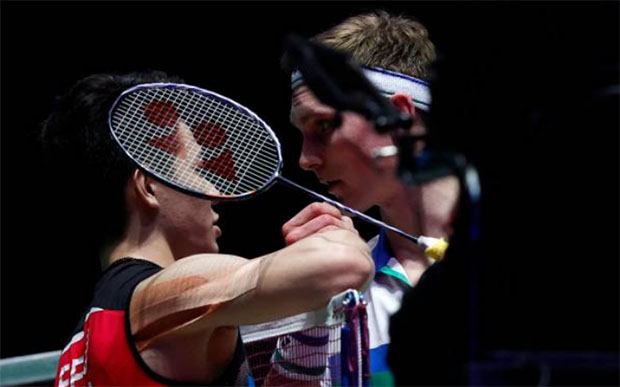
[{"x": 102, "y": 351}]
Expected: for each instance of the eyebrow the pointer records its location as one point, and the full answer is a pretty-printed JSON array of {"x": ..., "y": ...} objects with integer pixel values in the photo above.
[
  {"x": 316, "y": 110},
  {"x": 295, "y": 96},
  {"x": 309, "y": 113}
]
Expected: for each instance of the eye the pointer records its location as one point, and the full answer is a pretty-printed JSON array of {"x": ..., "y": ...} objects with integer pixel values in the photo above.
[{"x": 327, "y": 126}]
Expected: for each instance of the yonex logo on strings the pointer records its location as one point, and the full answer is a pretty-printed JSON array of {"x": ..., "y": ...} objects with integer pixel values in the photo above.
[{"x": 206, "y": 134}]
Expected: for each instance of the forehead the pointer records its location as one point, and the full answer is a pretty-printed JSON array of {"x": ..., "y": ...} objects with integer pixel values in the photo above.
[{"x": 305, "y": 104}]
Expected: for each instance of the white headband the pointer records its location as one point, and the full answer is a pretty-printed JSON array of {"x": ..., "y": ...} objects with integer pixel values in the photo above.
[{"x": 389, "y": 83}]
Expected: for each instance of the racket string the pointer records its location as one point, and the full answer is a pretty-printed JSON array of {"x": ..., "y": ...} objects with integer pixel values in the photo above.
[
  {"x": 223, "y": 114},
  {"x": 255, "y": 164},
  {"x": 240, "y": 146}
]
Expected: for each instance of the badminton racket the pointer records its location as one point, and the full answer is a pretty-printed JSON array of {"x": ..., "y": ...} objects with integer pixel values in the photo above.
[{"x": 207, "y": 145}]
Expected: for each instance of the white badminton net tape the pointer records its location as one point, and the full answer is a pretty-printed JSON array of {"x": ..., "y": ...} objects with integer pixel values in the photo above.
[{"x": 320, "y": 348}]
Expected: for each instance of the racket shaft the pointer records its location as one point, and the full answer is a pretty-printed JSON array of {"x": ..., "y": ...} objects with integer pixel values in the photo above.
[{"x": 348, "y": 211}]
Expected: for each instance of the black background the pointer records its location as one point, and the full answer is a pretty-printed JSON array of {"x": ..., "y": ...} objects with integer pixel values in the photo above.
[{"x": 521, "y": 73}]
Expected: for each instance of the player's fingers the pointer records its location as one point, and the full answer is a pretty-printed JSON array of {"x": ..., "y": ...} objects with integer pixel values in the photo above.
[
  {"x": 348, "y": 222},
  {"x": 313, "y": 226},
  {"x": 310, "y": 212}
]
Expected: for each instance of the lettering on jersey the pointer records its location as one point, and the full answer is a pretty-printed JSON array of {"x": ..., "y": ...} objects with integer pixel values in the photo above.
[
  {"x": 74, "y": 357},
  {"x": 75, "y": 368}
]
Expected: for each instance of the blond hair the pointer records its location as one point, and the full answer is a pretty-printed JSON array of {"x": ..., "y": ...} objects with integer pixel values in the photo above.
[{"x": 379, "y": 39}]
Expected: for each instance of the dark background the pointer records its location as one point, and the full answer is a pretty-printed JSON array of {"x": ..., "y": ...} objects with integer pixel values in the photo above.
[{"x": 533, "y": 105}]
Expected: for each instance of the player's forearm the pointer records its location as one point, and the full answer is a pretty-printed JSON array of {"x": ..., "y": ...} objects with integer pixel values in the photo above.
[{"x": 303, "y": 277}]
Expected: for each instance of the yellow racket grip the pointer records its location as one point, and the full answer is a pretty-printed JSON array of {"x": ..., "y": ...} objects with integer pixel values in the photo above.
[{"x": 435, "y": 248}]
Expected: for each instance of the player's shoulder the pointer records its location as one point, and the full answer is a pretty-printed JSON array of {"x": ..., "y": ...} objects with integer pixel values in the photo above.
[{"x": 118, "y": 281}]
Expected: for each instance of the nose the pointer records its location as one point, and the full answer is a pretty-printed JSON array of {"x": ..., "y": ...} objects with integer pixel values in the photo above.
[{"x": 311, "y": 156}]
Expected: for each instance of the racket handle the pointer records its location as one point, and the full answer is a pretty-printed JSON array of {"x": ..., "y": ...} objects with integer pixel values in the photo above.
[{"x": 351, "y": 212}]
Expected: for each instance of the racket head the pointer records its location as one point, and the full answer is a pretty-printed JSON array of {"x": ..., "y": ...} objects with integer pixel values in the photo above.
[{"x": 196, "y": 141}]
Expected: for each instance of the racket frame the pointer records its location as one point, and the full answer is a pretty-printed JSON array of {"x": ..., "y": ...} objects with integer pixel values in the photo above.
[{"x": 209, "y": 94}]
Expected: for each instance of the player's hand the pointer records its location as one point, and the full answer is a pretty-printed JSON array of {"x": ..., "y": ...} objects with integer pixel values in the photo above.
[{"x": 315, "y": 218}]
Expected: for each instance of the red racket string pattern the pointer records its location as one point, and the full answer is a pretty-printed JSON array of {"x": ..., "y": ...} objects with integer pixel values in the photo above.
[
  {"x": 207, "y": 134},
  {"x": 209, "y": 147}
]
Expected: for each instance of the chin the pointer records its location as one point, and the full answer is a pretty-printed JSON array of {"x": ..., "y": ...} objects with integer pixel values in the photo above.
[
  {"x": 213, "y": 248},
  {"x": 356, "y": 205}
]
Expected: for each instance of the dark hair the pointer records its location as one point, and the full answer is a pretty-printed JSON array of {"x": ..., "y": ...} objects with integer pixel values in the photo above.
[{"x": 77, "y": 139}]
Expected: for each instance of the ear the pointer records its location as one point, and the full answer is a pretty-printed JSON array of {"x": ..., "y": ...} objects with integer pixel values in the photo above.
[
  {"x": 144, "y": 188},
  {"x": 403, "y": 103}
]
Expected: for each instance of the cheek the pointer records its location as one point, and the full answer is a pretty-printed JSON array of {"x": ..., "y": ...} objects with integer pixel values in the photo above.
[
  {"x": 357, "y": 133},
  {"x": 196, "y": 212},
  {"x": 206, "y": 214},
  {"x": 356, "y": 158}
]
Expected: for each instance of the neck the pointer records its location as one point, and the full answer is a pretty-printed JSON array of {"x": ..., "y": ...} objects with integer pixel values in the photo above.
[
  {"x": 144, "y": 242},
  {"x": 419, "y": 210},
  {"x": 402, "y": 210}
]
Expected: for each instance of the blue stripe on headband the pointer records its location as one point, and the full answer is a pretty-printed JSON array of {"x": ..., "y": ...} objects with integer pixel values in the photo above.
[{"x": 388, "y": 83}]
